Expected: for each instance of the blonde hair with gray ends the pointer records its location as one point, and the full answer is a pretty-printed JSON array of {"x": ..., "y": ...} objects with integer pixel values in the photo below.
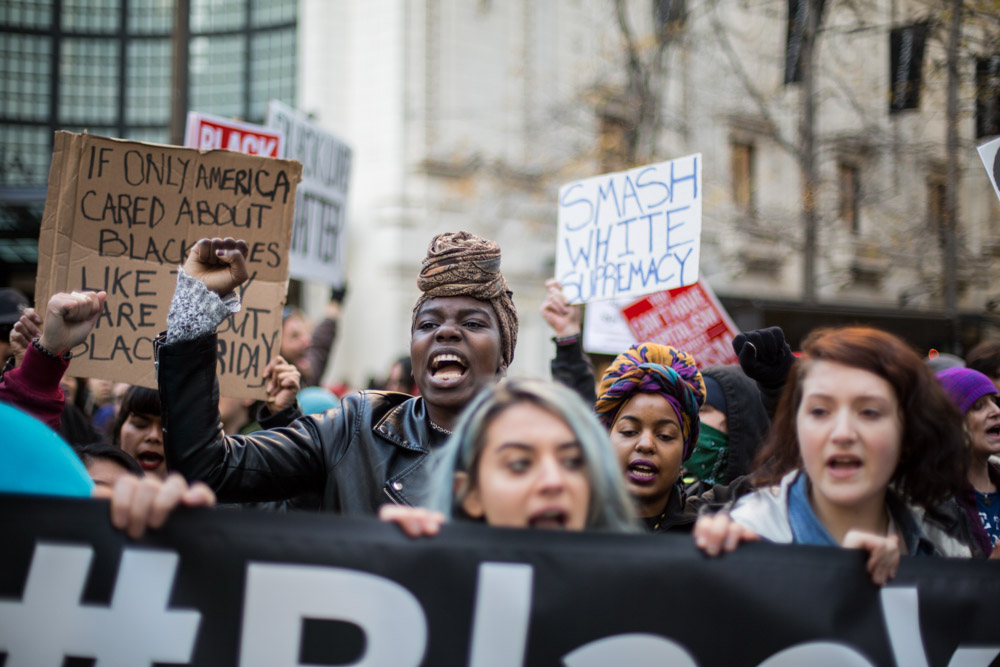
[{"x": 611, "y": 508}]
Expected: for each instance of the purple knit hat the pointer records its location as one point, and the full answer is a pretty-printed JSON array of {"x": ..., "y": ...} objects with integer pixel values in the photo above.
[{"x": 966, "y": 386}]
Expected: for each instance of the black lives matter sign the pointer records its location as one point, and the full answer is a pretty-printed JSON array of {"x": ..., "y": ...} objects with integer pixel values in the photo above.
[{"x": 120, "y": 216}]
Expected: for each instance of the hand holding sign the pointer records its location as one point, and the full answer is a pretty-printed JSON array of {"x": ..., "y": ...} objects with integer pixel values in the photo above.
[
  {"x": 69, "y": 318},
  {"x": 219, "y": 263},
  {"x": 564, "y": 318}
]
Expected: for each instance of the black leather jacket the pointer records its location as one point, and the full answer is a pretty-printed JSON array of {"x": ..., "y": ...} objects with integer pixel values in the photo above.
[{"x": 370, "y": 451}]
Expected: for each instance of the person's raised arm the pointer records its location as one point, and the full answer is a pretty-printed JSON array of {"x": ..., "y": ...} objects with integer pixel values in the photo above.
[
  {"x": 570, "y": 367},
  {"x": 218, "y": 263},
  {"x": 268, "y": 465},
  {"x": 206, "y": 284},
  {"x": 766, "y": 358},
  {"x": 34, "y": 385},
  {"x": 27, "y": 327}
]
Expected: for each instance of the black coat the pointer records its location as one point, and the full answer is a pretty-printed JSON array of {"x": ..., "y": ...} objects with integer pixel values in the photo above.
[{"x": 370, "y": 451}]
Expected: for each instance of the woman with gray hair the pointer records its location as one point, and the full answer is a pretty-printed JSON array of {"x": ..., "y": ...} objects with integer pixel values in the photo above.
[{"x": 525, "y": 454}]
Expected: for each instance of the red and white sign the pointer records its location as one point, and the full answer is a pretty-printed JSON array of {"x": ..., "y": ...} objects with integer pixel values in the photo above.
[
  {"x": 209, "y": 132},
  {"x": 689, "y": 318}
]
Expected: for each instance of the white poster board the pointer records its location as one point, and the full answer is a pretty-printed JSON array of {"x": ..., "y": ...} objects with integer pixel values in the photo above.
[
  {"x": 319, "y": 231},
  {"x": 988, "y": 153},
  {"x": 605, "y": 329},
  {"x": 630, "y": 233}
]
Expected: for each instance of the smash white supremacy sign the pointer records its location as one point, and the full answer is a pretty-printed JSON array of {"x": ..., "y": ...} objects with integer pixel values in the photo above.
[{"x": 630, "y": 233}]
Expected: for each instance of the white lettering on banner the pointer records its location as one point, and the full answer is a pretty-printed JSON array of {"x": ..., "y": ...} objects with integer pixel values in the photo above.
[
  {"x": 279, "y": 597},
  {"x": 635, "y": 650},
  {"x": 137, "y": 629},
  {"x": 503, "y": 607},
  {"x": 902, "y": 622},
  {"x": 817, "y": 654}
]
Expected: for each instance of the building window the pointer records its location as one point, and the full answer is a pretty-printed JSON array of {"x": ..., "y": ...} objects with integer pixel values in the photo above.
[
  {"x": 218, "y": 84},
  {"x": 272, "y": 70},
  {"x": 217, "y": 15},
  {"x": 88, "y": 81},
  {"x": 743, "y": 177},
  {"x": 91, "y": 16},
  {"x": 988, "y": 96},
  {"x": 850, "y": 191},
  {"x": 31, "y": 14},
  {"x": 24, "y": 154},
  {"x": 148, "y": 82},
  {"x": 25, "y": 71}
]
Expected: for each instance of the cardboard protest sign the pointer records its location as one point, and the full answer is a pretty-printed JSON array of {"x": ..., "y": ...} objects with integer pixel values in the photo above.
[
  {"x": 630, "y": 233},
  {"x": 209, "y": 132},
  {"x": 319, "y": 233},
  {"x": 689, "y": 318},
  {"x": 120, "y": 216},
  {"x": 988, "y": 154}
]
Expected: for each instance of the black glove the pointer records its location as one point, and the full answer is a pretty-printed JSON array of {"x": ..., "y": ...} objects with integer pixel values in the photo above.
[
  {"x": 764, "y": 355},
  {"x": 338, "y": 293}
]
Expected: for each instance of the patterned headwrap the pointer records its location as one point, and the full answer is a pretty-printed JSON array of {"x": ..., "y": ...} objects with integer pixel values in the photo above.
[
  {"x": 462, "y": 264},
  {"x": 649, "y": 368}
]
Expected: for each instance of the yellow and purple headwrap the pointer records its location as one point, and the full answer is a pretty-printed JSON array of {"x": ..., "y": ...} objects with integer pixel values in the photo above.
[{"x": 648, "y": 368}]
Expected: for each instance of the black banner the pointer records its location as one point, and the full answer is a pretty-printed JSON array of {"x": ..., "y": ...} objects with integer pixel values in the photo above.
[
  {"x": 906, "y": 63},
  {"x": 217, "y": 588}
]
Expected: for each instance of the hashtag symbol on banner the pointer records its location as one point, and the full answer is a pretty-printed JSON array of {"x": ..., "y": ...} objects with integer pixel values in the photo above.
[{"x": 49, "y": 621}]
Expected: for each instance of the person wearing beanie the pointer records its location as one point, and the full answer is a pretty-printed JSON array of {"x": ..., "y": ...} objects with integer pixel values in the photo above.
[
  {"x": 977, "y": 399},
  {"x": 371, "y": 449},
  {"x": 649, "y": 400}
]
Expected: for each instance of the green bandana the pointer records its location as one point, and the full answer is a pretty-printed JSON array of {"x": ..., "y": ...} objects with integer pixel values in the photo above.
[{"x": 710, "y": 456}]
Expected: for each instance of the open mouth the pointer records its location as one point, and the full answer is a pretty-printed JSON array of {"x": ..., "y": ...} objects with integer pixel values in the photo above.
[
  {"x": 843, "y": 466},
  {"x": 149, "y": 460},
  {"x": 994, "y": 430},
  {"x": 448, "y": 367},
  {"x": 549, "y": 519},
  {"x": 641, "y": 471}
]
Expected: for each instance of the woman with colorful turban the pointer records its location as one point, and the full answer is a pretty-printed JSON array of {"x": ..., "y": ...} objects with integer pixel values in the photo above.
[
  {"x": 372, "y": 448},
  {"x": 649, "y": 400}
]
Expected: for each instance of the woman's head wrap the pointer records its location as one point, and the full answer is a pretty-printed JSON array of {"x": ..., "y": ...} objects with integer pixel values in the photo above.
[
  {"x": 648, "y": 368},
  {"x": 462, "y": 264}
]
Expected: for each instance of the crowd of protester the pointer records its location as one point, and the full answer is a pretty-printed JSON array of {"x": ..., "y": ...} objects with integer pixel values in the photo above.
[{"x": 853, "y": 442}]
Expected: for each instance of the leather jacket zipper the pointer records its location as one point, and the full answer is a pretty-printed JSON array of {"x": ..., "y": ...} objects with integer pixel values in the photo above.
[{"x": 395, "y": 501}]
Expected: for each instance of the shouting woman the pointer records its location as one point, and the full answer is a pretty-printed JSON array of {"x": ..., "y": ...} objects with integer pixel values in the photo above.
[{"x": 371, "y": 449}]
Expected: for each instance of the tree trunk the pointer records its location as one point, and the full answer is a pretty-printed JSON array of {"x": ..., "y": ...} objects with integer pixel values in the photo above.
[
  {"x": 807, "y": 151},
  {"x": 950, "y": 221}
]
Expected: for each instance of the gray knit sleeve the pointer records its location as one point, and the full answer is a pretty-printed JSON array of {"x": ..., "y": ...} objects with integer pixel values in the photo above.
[{"x": 196, "y": 310}]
